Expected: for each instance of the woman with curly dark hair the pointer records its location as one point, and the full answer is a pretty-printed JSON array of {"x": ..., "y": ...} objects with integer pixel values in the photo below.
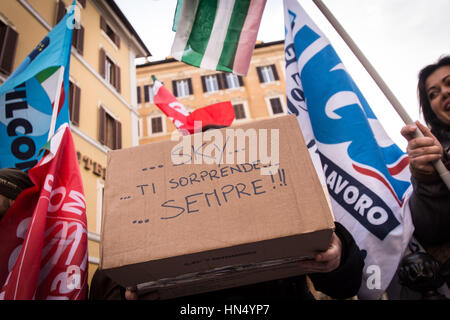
[{"x": 430, "y": 201}]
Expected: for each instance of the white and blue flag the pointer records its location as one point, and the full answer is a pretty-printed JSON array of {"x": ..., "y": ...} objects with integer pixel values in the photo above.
[{"x": 366, "y": 174}]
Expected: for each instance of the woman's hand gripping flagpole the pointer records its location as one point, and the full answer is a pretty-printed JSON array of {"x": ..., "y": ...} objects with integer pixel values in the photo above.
[{"x": 439, "y": 166}]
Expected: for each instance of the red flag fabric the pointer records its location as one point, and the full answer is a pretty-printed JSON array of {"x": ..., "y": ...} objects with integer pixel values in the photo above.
[
  {"x": 171, "y": 107},
  {"x": 43, "y": 236},
  {"x": 219, "y": 114}
]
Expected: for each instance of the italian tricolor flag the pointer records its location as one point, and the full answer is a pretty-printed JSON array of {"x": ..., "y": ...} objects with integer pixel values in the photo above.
[
  {"x": 51, "y": 79},
  {"x": 218, "y": 34}
]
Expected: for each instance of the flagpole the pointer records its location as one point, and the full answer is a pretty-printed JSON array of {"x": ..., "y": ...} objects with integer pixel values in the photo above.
[
  {"x": 439, "y": 166},
  {"x": 56, "y": 103}
]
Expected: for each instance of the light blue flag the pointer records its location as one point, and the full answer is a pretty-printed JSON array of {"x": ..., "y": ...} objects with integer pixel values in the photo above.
[
  {"x": 27, "y": 97},
  {"x": 365, "y": 172}
]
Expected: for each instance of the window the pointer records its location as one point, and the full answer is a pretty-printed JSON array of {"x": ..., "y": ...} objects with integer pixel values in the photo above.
[
  {"x": 239, "y": 111},
  {"x": 148, "y": 93},
  {"x": 74, "y": 103},
  {"x": 156, "y": 125},
  {"x": 267, "y": 74},
  {"x": 210, "y": 83},
  {"x": 232, "y": 81},
  {"x": 110, "y": 130},
  {"x": 109, "y": 32},
  {"x": 275, "y": 104},
  {"x": 219, "y": 81},
  {"x": 8, "y": 43},
  {"x": 109, "y": 70},
  {"x": 182, "y": 88}
]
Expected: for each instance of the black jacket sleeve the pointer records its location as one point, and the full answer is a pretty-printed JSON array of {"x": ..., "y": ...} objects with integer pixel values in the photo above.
[
  {"x": 104, "y": 288},
  {"x": 430, "y": 202},
  {"x": 345, "y": 281},
  {"x": 430, "y": 211}
]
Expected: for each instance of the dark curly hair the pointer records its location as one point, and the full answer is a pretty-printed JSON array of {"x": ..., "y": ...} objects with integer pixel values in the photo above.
[{"x": 425, "y": 106}]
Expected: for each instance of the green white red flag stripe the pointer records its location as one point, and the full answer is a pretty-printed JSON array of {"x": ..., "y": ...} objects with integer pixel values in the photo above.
[{"x": 218, "y": 34}]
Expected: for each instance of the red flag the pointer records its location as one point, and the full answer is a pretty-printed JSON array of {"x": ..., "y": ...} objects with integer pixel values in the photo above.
[
  {"x": 220, "y": 114},
  {"x": 43, "y": 236}
]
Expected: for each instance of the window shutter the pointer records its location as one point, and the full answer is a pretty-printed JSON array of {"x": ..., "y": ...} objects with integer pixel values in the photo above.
[
  {"x": 222, "y": 81},
  {"x": 154, "y": 125},
  {"x": 117, "y": 40},
  {"x": 225, "y": 82},
  {"x": 74, "y": 38},
  {"x": 118, "y": 135},
  {"x": 275, "y": 73},
  {"x": 146, "y": 94},
  {"x": 103, "y": 24},
  {"x": 138, "y": 92},
  {"x": 78, "y": 39},
  {"x": 239, "y": 111},
  {"x": 81, "y": 42},
  {"x": 117, "y": 80},
  {"x": 260, "y": 77},
  {"x": 7, "y": 50},
  {"x": 174, "y": 88},
  {"x": 60, "y": 11},
  {"x": 71, "y": 99},
  {"x": 241, "y": 81},
  {"x": 102, "y": 126},
  {"x": 157, "y": 125},
  {"x": 76, "y": 106},
  {"x": 191, "y": 90},
  {"x": 102, "y": 62},
  {"x": 204, "y": 84},
  {"x": 74, "y": 103}
]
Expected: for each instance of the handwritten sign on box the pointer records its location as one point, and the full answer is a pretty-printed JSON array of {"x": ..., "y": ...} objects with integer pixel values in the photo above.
[{"x": 177, "y": 208}]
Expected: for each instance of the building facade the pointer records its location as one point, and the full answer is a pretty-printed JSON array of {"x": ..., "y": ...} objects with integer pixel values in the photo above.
[
  {"x": 102, "y": 95},
  {"x": 260, "y": 94}
]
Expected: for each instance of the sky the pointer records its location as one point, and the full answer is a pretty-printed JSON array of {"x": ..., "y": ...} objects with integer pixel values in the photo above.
[{"x": 398, "y": 37}]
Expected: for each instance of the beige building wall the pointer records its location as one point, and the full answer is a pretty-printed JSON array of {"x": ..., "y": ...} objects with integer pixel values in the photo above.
[
  {"x": 254, "y": 95},
  {"x": 32, "y": 20}
]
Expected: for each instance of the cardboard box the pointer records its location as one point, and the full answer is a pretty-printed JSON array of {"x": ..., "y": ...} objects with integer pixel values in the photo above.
[{"x": 190, "y": 228}]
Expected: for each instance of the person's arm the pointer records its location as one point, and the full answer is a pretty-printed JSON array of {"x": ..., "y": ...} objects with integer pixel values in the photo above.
[
  {"x": 430, "y": 200},
  {"x": 422, "y": 151},
  {"x": 344, "y": 281},
  {"x": 430, "y": 211}
]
